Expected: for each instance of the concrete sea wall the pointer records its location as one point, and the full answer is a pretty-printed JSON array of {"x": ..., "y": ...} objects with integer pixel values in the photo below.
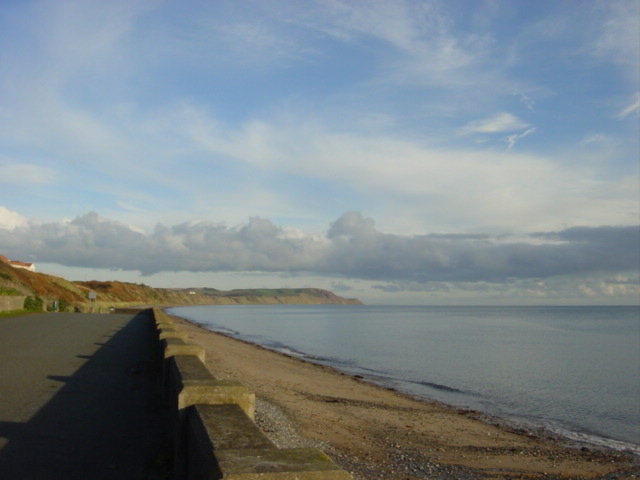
[
  {"x": 9, "y": 303},
  {"x": 215, "y": 436}
]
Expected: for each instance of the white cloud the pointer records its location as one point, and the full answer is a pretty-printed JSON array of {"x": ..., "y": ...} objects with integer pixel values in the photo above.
[
  {"x": 594, "y": 138},
  {"x": 632, "y": 108},
  {"x": 512, "y": 139},
  {"x": 261, "y": 44},
  {"x": 10, "y": 220},
  {"x": 352, "y": 247},
  {"x": 502, "y": 122},
  {"x": 25, "y": 174},
  {"x": 396, "y": 23},
  {"x": 419, "y": 43},
  {"x": 526, "y": 100},
  {"x": 618, "y": 39},
  {"x": 440, "y": 185}
]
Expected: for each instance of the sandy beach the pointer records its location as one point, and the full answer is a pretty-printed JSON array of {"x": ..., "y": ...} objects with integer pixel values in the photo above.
[{"x": 378, "y": 433}]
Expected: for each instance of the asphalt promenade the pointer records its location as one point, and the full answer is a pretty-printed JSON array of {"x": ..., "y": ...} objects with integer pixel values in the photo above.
[{"x": 79, "y": 399}]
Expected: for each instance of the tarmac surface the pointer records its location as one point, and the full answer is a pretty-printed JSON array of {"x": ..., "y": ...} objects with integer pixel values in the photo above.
[{"x": 79, "y": 398}]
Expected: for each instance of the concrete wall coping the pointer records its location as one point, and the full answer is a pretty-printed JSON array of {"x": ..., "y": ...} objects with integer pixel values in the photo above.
[
  {"x": 177, "y": 346},
  {"x": 277, "y": 464},
  {"x": 226, "y": 427},
  {"x": 215, "y": 433},
  {"x": 194, "y": 384},
  {"x": 167, "y": 325},
  {"x": 164, "y": 333}
]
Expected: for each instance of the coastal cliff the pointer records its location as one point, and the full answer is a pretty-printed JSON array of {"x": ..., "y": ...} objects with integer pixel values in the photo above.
[
  {"x": 274, "y": 296},
  {"x": 101, "y": 295}
]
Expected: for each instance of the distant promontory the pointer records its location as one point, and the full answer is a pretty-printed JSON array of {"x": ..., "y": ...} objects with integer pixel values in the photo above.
[{"x": 272, "y": 296}]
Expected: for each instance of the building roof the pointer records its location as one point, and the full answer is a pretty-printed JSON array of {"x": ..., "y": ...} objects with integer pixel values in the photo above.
[
  {"x": 15, "y": 263},
  {"x": 19, "y": 263}
]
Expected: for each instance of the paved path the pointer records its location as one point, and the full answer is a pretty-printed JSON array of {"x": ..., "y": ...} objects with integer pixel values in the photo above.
[{"x": 79, "y": 398}]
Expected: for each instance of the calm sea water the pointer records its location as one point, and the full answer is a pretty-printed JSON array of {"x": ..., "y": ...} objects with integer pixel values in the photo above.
[{"x": 574, "y": 371}]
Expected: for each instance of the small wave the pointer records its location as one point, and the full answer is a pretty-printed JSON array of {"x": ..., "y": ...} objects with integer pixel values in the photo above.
[
  {"x": 590, "y": 439},
  {"x": 570, "y": 435},
  {"x": 292, "y": 352},
  {"x": 374, "y": 372},
  {"x": 217, "y": 329},
  {"x": 438, "y": 386},
  {"x": 226, "y": 331}
]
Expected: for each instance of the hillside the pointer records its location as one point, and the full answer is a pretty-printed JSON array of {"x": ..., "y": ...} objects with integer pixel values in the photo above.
[
  {"x": 75, "y": 295},
  {"x": 272, "y": 296}
]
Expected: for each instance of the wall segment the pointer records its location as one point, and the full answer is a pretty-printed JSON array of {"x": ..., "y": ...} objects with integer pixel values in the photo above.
[{"x": 213, "y": 422}]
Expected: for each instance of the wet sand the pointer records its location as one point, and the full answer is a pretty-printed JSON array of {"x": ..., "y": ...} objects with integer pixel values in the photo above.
[{"x": 378, "y": 433}]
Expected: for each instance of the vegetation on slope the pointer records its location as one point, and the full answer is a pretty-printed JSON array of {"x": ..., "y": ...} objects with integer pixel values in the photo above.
[
  {"x": 307, "y": 296},
  {"x": 76, "y": 295}
]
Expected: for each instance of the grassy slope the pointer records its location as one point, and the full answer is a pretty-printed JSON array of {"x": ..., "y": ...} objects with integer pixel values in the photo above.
[
  {"x": 275, "y": 296},
  {"x": 120, "y": 294}
]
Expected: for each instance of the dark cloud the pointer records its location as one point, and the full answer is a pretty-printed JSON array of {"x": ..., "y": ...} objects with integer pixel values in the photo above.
[
  {"x": 352, "y": 247},
  {"x": 341, "y": 287}
]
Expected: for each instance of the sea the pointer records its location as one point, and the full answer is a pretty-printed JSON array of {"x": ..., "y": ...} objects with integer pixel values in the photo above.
[{"x": 573, "y": 372}]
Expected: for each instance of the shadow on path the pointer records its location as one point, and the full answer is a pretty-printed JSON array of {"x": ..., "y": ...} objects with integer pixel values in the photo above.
[{"x": 105, "y": 421}]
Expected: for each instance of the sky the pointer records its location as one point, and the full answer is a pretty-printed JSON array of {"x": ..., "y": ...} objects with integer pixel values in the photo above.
[{"x": 400, "y": 152}]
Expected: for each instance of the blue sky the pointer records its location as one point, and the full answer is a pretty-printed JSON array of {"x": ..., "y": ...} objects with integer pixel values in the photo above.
[{"x": 397, "y": 151}]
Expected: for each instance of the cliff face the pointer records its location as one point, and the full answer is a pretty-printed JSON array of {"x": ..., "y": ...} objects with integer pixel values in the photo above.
[
  {"x": 50, "y": 288},
  {"x": 306, "y": 296}
]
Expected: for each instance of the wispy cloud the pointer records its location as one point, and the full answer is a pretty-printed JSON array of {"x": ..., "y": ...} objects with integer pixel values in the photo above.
[
  {"x": 617, "y": 39},
  {"x": 418, "y": 42},
  {"x": 25, "y": 174},
  {"x": 594, "y": 138},
  {"x": 502, "y": 122},
  {"x": 634, "y": 107},
  {"x": 382, "y": 170},
  {"x": 526, "y": 100},
  {"x": 512, "y": 139}
]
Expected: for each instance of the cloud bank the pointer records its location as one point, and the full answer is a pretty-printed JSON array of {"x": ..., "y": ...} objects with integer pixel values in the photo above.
[{"x": 352, "y": 247}]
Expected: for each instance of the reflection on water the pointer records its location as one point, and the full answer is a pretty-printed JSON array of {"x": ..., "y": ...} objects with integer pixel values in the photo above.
[{"x": 570, "y": 368}]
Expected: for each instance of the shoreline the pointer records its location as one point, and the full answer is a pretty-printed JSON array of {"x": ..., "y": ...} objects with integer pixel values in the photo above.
[
  {"x": 561, "y": 435},
  {"x": 377, "y": 432}
]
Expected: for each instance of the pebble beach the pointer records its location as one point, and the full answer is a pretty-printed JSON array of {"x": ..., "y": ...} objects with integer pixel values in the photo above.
[{"x": 379, "y": 433}]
